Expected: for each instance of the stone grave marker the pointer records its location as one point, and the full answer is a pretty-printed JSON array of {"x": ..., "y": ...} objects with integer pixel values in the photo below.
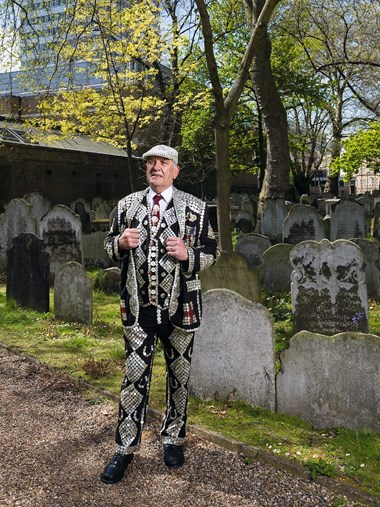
[
  {"x": 272, "y": 219},
  {"x": 73, "y": 294},
  {"x": 17, "y": 219},
  {"x": 234, "y": 356},
  {"x": 303, "y": 222},
  {"x": 332, "y": 381},
  {"x": 28, "y": 273},
  {"x": 276, "y": 268},
  {"x": 371, "y": 256},
  {"x": 234, "y": 272},
  {"x": 40, "y": 204},
  {"x": 347, "y": 220},
  {"x": 252, "y": 246},
  {"x": 61, "y": 231},
  {"x": 328, "y": 289},
  {"x": 245, "y": 222}
]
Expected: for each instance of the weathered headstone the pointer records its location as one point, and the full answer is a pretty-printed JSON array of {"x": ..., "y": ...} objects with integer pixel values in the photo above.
[
  {"x": 108, "y": 280},
  {"x": 252, "y": 246},
  {"x": 61, "y": 231},
  {"x": 17, "y": 218},
  {"x": 234, "y": 272},
  {"x": 328, "y": 289},
  {"x": 367, "y": 204},
  {"x": 40, "y": 204},
  {"x": 332, "y": 381},
  {"x": 347, "y": 220},
  {"x": 272, "y": 219},
  {"x": 82, "y": 208},
  {"x": 276, "y": 268},
  {"x": 94, "y": 255},
  {"x": 376, "y": 221},
  {"x": 73, "y": 294},
  {"x": 234, "y": 355},
  {"x": 28, "y": 273},
  {"x": 371, "y": 255},
  {"x": 303, "y": 222}
]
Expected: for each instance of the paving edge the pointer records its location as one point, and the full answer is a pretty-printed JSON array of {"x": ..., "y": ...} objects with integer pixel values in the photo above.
[{"x": 232, "y": 445}]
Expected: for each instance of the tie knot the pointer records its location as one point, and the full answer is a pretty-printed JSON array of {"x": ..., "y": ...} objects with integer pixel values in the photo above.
[{"x": 157, "y": 198}]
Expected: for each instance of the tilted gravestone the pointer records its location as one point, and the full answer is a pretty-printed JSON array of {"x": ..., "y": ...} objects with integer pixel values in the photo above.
[
  {"x": 234, "y": 356},
  {"x": 332, "y": 381},
  {"x": 28, "y": 273},
  {"x": 347, "y": 220},
  {"x": 275, "y": 210},
  {"x": 276, "y": 268},
  {"x": 328, "y": 289},
  {"x": 303, "y": 222},
  {"x": 61, "y": 231},
  {"x": 17, "y": 219},
  {"x": 233, "y": 271},
  {"x": 252, "y": 246},
  {"x": 73, "y": 294}
]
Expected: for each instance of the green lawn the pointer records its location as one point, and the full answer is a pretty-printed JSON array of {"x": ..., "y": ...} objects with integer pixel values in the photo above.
[{"x": 95, "y": 353}]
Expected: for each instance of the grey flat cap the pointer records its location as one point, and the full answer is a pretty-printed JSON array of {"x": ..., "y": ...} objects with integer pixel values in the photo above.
[{"x": 161, "y": 150}]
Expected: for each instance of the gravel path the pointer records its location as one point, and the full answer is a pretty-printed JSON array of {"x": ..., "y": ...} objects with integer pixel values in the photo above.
[{"x": 54, "y": 445}]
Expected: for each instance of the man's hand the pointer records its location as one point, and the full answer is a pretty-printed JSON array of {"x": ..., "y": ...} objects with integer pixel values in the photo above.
[
  {"x": 129, "y": 239},
  {"x": 176, "y": 248}
]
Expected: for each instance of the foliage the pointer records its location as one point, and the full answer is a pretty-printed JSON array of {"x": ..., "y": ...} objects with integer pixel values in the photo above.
[
  {"x": 360, "y": 150},
  {"x": 319, "y": 467}
]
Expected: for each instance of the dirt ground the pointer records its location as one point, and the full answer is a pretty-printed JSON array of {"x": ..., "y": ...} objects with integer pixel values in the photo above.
[{"x": 54, "y": 445}]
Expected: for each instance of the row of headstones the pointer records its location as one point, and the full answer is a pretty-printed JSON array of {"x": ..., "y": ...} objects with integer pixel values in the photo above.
[
  {"x": 329, "y": 381},
  {"x": 276, "y": 268},
  {"x": 60, "y": 228},
  {"x": 293, "y": 223}
]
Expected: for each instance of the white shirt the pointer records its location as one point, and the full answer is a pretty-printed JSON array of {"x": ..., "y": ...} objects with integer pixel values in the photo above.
[{"x": 166, "y": 197}]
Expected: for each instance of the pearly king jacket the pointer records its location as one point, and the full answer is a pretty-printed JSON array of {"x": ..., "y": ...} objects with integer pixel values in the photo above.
[{"x": 193, "y": 227}]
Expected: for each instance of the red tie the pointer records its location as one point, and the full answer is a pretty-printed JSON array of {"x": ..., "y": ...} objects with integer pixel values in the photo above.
[{"x": 156, "y": 209}]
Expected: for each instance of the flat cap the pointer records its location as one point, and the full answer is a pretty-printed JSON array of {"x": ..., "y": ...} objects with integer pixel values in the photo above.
[{"x": 161, "y": 150}]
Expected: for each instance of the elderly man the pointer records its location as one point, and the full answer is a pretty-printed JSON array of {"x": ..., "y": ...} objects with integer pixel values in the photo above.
[{"x": 163, "y": 238}]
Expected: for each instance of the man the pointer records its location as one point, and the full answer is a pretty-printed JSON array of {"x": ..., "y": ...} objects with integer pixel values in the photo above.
[{"x": 163, "y": 238}]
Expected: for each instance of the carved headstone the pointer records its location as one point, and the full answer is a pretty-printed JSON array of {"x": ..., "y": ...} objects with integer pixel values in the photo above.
[
  {"x": 234, "y": 356},
  {"x": 28, "y": 273},
  {"x": 371, "y": 255},
  {"x": 61, "y": 231},
  {"x": 40, "y": 204},
  {"x": 303, "y": 222},
  {"x": 328, "y": 289},
  {"x": 245, "y": 222},
  {"x": 73, "y": 294}
]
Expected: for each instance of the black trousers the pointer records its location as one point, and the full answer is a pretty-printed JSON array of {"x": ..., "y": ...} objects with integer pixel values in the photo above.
[{"x": 140, "y": 346}]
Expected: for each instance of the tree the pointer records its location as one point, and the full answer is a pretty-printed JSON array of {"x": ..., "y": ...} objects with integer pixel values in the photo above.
[
  {"x": 225, "y": 104},
  {"x": 362, "y": 148}
]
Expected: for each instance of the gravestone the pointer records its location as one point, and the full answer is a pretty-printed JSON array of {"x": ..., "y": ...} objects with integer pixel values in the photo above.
[
  {"x": 234, "y": 272},
  {"x": 61, "y": 231},
  {"x": 40, "y": 204},
  {"x": 272, "y": 219},
  {"x": 328, "y": 289},
  {"x": 371, "y": 256},
  {"x": 245, "y": 222},
  {"x": 347, "y": 220},
  {"x": 303, "y": 222},
  {"x": 28, "y": 273},
  {"x": 367, "y": 204},
  {"x": 376, "y": 221},
  {"x": 276, "y": 268},
  {"x": 108, "y": 280},
  {"x": 331, "y": 381},
  {"x": 94, "y": 255},
  {"x": 73, "y": 294},
  {"x": 17, "y": 219},
  {"x": 252, "y": 246},
  {"x": 234, "y": 356},
  {"x": 82, "y": 208}
]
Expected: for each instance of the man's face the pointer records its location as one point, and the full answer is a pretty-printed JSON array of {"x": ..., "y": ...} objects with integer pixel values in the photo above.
[{"x": 160, "y": 173}]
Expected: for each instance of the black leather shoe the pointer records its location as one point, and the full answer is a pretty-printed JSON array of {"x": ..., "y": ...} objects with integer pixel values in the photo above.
[
  {"x": 116, "y": 468},
  {"x": 173, "y": 456}
]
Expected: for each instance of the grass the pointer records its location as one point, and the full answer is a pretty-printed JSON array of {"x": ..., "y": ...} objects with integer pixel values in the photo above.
[{"x": 95, "y": 353}]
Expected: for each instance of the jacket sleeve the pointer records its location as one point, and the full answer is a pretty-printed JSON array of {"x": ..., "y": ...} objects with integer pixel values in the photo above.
[
  {"x": 205, "y": 251},
  {"x": 111, "y": 243}
]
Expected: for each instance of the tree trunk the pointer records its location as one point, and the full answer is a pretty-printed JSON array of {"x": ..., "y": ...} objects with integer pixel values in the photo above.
[{"x": 276, "y": 180}]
